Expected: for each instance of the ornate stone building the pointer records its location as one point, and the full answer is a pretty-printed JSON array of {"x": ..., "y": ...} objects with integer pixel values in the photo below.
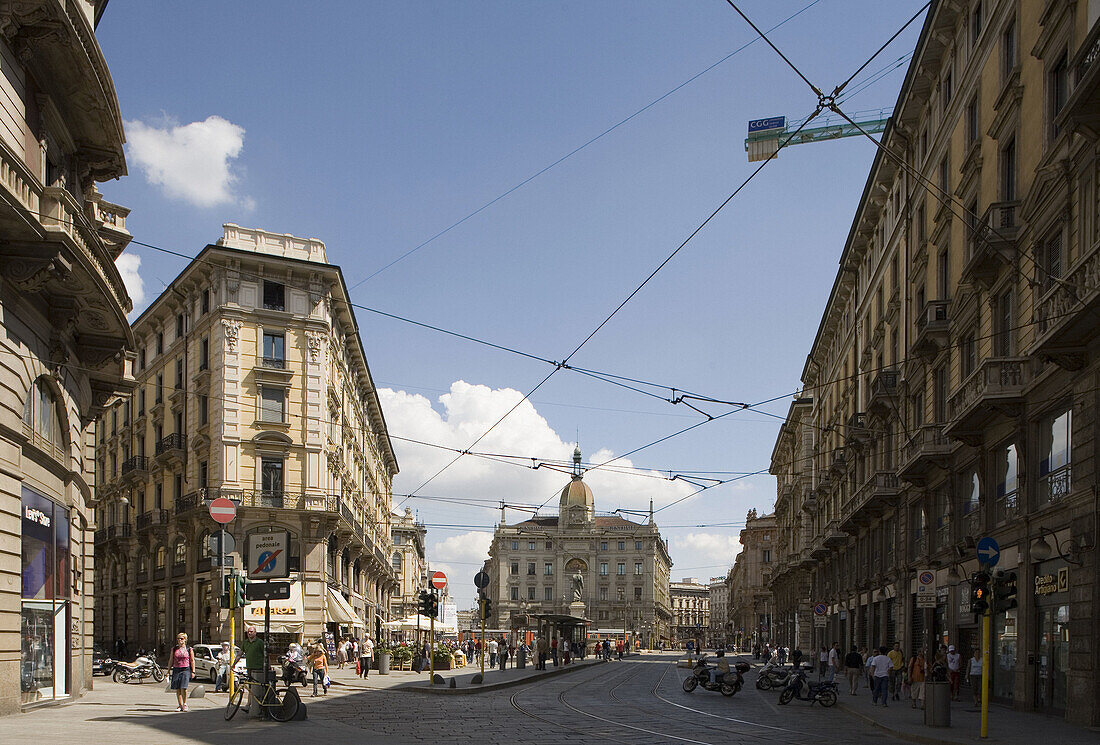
[
  {"x": 624, "y": 568},
  {"x": 253, "y": 385},
  {"x": 690, "y": 611},
  {"x": 64, "y": 340},
  {"x": 750, "y": 601},
  {"x": 409, "y": 562},
  {"x": 951, "y": 392},
  {"x": 718, "y": 604}
]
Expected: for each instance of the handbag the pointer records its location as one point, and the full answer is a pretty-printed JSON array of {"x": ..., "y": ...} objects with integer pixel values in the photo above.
[
  {"x": 327, "y": 681},
  {"x": 358, "y": 671}
]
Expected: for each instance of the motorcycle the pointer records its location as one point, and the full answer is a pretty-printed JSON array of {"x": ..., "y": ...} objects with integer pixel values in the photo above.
[
  {"x": 800, "y": 688},
  {"x": 139, "y": 670},
  {"x": 773, "y": 676},
  {"x": 293, "y": 672},
  {"x": 727, "y": 684}
]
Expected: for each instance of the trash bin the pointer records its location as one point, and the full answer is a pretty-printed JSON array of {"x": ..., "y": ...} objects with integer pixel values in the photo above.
[
  {"x": 521, "y": 663},
  {"x": 937, "y": 704}
]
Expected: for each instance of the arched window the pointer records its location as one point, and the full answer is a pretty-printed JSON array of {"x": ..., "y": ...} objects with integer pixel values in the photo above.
[
  {"x": 143, "y": 565},
  {"x": 161, "y": 558},
  {"x": 398, "y": 561},
  {"x": 200, "y": 547},
  {"x": 41, "y": 418},
  {"x": 180, "y": 552}
]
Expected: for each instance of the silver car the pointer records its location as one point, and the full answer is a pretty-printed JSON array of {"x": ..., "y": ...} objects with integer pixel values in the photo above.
[{"x": 206, "y": 660}]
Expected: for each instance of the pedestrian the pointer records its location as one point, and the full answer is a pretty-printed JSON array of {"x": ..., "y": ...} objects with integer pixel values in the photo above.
[
  {"x": 119, "y": 648},
  {"x": 541, "y": 647},
  {"x": 782, "y": 655},
  {"x": 566, "y": 651},
  {"x": 493, "y": 649},
  {"x": 796, "y": 657},
  {"x": 366, "y": 653},
  {"x": 834, "y": 661},
  {"x": 503, "y": 655},
  {"x": 254, "y": 650},
  {"x": 822, "y": 661},
  {"x": 341, "y": 655},
  {"x": 880, "y": 673},
  {"x": 554, "y": 650},
  {"x": 619, "y": 646},
  {"x": 916, "y": 672},
  {"x": 897, "y": 670},
  {"x": 853, "y": 666},
  {"x": 974, "y": 672},
  {"x": 222, "y": 664},
  {"x": 954, "y": 661},
  {"x": 182, "y": 667},
  {"x": 318, "y": 663}
]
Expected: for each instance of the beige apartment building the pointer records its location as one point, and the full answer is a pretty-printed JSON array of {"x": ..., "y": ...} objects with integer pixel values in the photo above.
[
  {"x": 64, "y": 338},
  {"x": 253, "y": 385},
  {"x": 690, "y": 611},
  {"x": 718, "y": 602},
  {"x": 951, "y": 392},
  {"x": 624, "y": 569},
  {"x": 751, "y": 605},
  {"x": 409, "y": 562}
]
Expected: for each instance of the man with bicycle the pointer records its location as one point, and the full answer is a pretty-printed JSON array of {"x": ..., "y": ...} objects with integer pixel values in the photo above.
[{"x": 254, "y": 650}]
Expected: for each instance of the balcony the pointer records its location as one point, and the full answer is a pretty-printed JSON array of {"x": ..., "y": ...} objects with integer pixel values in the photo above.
[
  {"x": 119, "y": 532},
  {"x": 1082, "y": 110},
  {"x": 878, "y": 493},
  {"x": 834, "y": 536},
  {"x": 272, "y": 370},
  {"x": 809, "y": 504},
  {"x": 171, "y": 448},
  {"x": 992, "y": 244},
  {"x": 1067, "y": 314},
  {"x": 925, "y": 451},
  {"x": 152, "y": 519},
  {"x": 137, "y": 466},
  {"x": 994, "y": 390},
  {"x": 932, "y": 327},
  {"x": 883, "y": 397},
  {"x": 855, "y": 429}
]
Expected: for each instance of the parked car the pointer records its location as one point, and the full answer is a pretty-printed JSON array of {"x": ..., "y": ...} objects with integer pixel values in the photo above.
[
  {"x": 206, "y": 660},
  {"x": 102, "y": 663}
]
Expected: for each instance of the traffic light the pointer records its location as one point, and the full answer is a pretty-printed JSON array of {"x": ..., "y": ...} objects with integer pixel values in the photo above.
[
  {"x": 425, "y": 603},
  {"x": 433, "y": 605},
  {"x": 227, "y": 591},
  {"x": 1004, "y": 591},
  {"x": 239, "y": 591},
  {"x": 979, "y": 592},
  {"x": 486, "y": 608}
]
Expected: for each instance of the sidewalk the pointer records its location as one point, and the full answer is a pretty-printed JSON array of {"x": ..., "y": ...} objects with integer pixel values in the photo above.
[
  {"x": 495, "y": 678},
  {"x": 1005, "y": 724}
]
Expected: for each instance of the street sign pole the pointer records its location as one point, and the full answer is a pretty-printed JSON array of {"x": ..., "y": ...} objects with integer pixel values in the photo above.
[
  {"x": 267, "y": 630},
  {"x": 483, "y": 647},
  {"x": 985, "y": 671},
  {"x": 431, "y": 651}
]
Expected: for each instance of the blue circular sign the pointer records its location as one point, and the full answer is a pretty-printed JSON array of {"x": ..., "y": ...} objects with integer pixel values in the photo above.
[{"x": 266, "y": 563}]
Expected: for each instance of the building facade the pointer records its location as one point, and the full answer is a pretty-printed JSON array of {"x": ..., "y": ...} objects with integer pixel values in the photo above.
[
  {"x": 252, "y": 385},
  {"x": 65, "y": 340},
  {"x": 952, "y": 388},
  {"x": 751, "y": 604},
  {"x": 623, "y": 568},
  {"x": 718, "y": 592},
  {"x": 690, "y": 611},
  {"x": 410, "y": 564}
]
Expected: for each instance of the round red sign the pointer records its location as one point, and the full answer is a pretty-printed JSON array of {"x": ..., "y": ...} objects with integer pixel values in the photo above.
[
  {"x": 223, "y": 510},
  {"x": 439, "y": 580}
]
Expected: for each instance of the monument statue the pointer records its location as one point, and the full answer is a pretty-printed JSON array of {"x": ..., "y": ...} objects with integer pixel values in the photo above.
[{"x": 578, "y": 587}]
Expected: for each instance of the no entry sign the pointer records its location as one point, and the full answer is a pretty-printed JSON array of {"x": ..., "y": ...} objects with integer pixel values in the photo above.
[
  {"x": 223, "y": 510},
  {"x": 439, "y": 580}
]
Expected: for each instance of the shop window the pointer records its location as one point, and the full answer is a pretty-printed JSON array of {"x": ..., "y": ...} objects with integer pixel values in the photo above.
[{"x": 44, "y": 607}]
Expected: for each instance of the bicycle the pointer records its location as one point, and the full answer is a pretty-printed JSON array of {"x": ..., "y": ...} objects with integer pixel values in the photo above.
[{"x": 279, "y": 708}]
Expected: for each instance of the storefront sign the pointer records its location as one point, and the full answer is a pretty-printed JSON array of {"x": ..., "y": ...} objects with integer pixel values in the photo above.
[
  {"x": 36, "y": 516},
  {"x": 1048, "y": 584}
]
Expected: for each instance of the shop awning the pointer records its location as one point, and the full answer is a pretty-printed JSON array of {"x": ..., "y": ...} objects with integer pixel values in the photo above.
[
  {"x": 287, "y": 616},
  {"x": 339, "y": 610},
  {"x": 411, "y": 623}
]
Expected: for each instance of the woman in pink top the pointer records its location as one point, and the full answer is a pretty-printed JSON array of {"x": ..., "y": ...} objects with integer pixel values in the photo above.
[{"x": 182, "y": 663}]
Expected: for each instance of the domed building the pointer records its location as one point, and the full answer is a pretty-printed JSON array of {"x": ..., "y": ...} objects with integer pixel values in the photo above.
[{"x": 609, "y": 573}]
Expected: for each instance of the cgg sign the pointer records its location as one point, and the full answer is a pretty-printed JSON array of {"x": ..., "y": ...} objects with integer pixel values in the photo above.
[{"x": 763, "y": 125}]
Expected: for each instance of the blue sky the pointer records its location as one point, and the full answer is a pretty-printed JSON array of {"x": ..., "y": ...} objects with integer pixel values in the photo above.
[{"x": 375, "y": 126}]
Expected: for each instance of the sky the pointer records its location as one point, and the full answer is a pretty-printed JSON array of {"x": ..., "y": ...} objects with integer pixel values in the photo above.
[{"x": 513, "y": 171}]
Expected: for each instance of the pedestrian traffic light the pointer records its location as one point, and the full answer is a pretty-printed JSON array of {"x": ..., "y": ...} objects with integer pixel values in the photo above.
[
  {"x": 979, "y": 592},
  {"x": 1004, "y": 591},
  {"x": 425, "y": 603}
]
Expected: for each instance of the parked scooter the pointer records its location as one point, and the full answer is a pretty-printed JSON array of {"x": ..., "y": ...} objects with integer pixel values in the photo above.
[
  {"x": 138, "y": 670},
  {"x": 728, "y": 684},
  {"x": 800, "y": 688},
  {"x": 773, "y": 675}
]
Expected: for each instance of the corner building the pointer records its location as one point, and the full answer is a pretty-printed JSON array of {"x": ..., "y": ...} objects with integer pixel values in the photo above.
[
  {"x": 624, "y": 565},
  {"x": 252, "y": 385},
  {"x": 64, "y": 339},
  {"x": 951, "y": 392}
]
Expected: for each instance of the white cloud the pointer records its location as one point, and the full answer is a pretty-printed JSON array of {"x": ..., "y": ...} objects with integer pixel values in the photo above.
[
  {"x": 707, "y": 549},
  {"x": 467, "y": 412},
  {"x": 128, "y": 266},
  {"x": 192, "y": 161},
  {"x": 467, "y": 548}
]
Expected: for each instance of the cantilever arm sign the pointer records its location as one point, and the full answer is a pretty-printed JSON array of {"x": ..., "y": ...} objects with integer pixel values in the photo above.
[{"x": 267, "y": 556}]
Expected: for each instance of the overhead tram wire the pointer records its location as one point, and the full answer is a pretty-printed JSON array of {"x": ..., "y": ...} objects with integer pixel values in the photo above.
[{"x": 576, "y": 150}]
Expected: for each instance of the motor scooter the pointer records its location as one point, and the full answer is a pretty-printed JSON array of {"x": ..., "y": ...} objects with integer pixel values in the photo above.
[
  {"x": 727, "y": 684},
  {"x": 773, "y": 675}
]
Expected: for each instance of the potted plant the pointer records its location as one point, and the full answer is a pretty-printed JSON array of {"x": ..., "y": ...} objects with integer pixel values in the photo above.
[
  {"x": 402, "y": 657},
  {"x": 383, "y": 652},
  {"x": 443, "y": 659}
]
